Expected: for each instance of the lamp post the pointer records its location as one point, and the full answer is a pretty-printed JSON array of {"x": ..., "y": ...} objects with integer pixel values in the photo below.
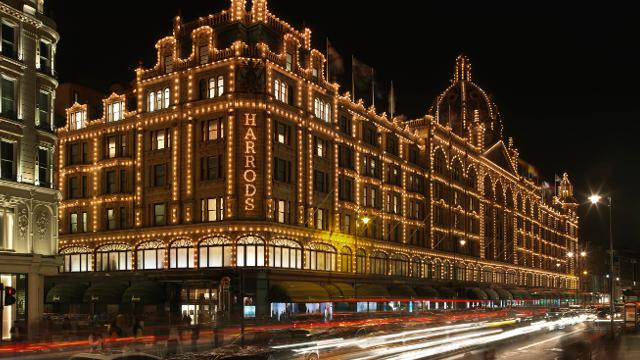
[{"x": 595, "y": 199}]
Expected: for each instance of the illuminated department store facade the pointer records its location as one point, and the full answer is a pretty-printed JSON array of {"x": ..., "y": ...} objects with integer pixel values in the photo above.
[{"x": 234, "y": 171}]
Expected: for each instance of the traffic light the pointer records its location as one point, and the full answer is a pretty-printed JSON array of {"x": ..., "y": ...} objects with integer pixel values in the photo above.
[{"x": 9, "y": 296}]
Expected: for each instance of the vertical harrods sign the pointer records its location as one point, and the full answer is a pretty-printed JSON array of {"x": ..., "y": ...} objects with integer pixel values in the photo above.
[{"x": 250, "y": 167}]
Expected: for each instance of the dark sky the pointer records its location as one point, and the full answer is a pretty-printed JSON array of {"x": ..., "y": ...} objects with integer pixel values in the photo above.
[{"x": 565, "y": 80}]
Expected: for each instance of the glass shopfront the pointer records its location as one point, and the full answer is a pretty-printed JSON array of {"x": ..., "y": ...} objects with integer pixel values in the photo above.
[
  {"x": 199, "y": 305},
  {"x": 16, "y": 314}
]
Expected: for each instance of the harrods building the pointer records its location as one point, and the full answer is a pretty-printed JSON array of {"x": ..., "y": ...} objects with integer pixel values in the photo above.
[{"x": 235, "y": 173}]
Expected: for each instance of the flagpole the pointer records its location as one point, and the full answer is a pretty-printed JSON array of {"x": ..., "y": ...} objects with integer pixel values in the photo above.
[
  {"x": 328, "y": 67},
  {"x": 373, "y": 89},
  {"x": 353, "y": 86}
]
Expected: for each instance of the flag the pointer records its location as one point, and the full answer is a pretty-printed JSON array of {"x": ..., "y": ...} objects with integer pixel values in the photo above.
[
  {"x": 392, "y": 100},
  {"x": 335, "y": 63},
  {"x": 362, "y": 80}
]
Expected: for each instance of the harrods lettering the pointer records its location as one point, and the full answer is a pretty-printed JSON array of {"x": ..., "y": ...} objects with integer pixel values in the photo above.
[{"x": 249, "y": 173}]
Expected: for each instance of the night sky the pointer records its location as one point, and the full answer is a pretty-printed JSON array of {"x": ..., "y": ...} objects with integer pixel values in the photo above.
[{"x": 565, "y": 80}]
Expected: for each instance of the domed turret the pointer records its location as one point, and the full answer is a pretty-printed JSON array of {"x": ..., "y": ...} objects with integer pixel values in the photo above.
[{"x": 464, "y": 106}]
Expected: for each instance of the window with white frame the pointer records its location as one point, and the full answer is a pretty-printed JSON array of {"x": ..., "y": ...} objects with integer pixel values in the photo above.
[
  {"x": 321, "y": 257},
  {"x": 288, "y": 62},
  {"x": 321, "y": 219},
  {"x": 216, "y": 86},
  {"x": 73, "y": 223},
  {"x": 7, "y": 160},
  {"x": 77, "y": 119},
  {"x": 203, "y": 53},
  {"x": 158, "y": 100},
  {"x": 111, "y": 219},
  {"x": 113, "y": 257},
  {"x": 250, "y": 251},
  {"x": 213, "y": 129},
  {"x": 212, "y": 209},
  {"x": 42, "y": 164},
  {"x": 181, "y": 254},
  {"x": 45, "y": 57},
  {"x": 160, "y": 139},
  {"x": 284, "y": 253},
  {"x": 159, "y": 214},
  {"x": 283, "y": 211},
  {"x": 8, "y": 40},
  {"x": 77, "y": 259},
  {"x": 8, "y": 97},
  {"x": 44, "y": 109},
  {"x": 322, "y": 109},
  {"x": 215, "y": 252},
  {"x": 115, "y": 111},
  {"x": 111, "y": 147},
  {"x": 150, "y": 255},
  {"x": 281, "y": 91}
]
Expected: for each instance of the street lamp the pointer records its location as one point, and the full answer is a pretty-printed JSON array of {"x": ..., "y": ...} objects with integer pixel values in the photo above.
[{"x": 595, "y": 200}]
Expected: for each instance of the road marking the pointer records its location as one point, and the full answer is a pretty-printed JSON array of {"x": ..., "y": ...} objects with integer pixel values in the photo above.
[{"x": 551, "y": 339}]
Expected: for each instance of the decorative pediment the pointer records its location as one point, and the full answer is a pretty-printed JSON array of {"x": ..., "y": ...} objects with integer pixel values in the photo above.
[{"x": 499, "y": 155}]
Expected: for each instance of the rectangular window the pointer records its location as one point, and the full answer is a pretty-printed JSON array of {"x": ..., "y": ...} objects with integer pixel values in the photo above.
[
  {"x": 114, "y": 111},
  {"x": 346, "y": 188},
  {"x": 45, "y": 56},
  {"x": 345, "y": 157},
  {"x": 345, "y": 125},
  {"x": 111, "y": 182},
  {"x": 159, "y": 217},
  {"x": 77, "y": 120},
  {"x": 369, "y": 135},
  {"x": 289, "y": 62},
  {"x": 85, "y": 222},
  {"x": 212, "y": 129},
  {"x": 321, "y": 147},
  {"x": 8, "y": 103},
  {"x": 346, "y": 224},
  {"x": 322, "y": 109},
  {"x": 212, "y": 209},
  {"x": 392, "y": 145},
  {"x": 85, "y": 153},
  {"x": 282, "y": 170},
  {"x": 111, "y": 147},
  {"x": 283, "y": 133},
  {"x": 168, "y": 64},
  {"x": 8, "y": 41},
  {"x": 111, "y": 219},
  {"x": 43, "y": 167},
  {"x": 211, "y": 168},
  {"x": 281, "y": 91},
  {"x": 44, "y": 110},
  {"x": 7, "y": 168},
  {"x": 123, "y": 218},
  {"x": 282, "y": 211},
  {"x": 123, "y": 181},
  {"x": 160, "y": 175},
  {"x": 160, "y": 139},
  {"x": 123, "y": 145},
  {"x": 84, "y": 186},
  {"x": 321, "y": 219},
  {"x": 73, "y": 223},
  {"x": 73, "y": 188},
  {"x": 320, "y": 181},
  {"x": 203, "y": 52}
]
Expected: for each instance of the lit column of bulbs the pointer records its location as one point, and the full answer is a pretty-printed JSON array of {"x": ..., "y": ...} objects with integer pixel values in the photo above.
[
  {"x": 230, "y": 164},
  {"x": 310, "y": 149},
  {"x": 336, "y": 184},
  {"x": 269, "y": 164},
  {"x": 299, "y": 178},
  {"x": 94, "y": 176}
]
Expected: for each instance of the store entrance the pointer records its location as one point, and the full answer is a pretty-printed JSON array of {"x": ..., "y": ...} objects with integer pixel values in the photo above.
[{"x": 199, "y": 305}]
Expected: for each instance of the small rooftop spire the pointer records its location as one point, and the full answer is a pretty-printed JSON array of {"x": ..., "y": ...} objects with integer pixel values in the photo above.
[
  {"x": 259, "y": 10},
  {"x": 463, "y": 69}
]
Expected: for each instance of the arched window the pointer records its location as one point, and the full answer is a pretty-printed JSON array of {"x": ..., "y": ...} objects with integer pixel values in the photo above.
[
  {"x": 215, "y": 252},
  {"x": 399, "y": 265},
  {"x": 439, "y": 163},
  {"x": 113, "y": 257},
  {"x": 472, "y": 178},
  {"x": 499, "y": 277},
  {"x": 166, "y": 98},
  {"x": 345, "y": 259},
  {"x": 361, "y": 261},
  {"x": 416, "y": 267},
  {"x": 77, "y": 259},
  {"x": 428, "y": 269},
  {"x": 456, "y": 170},
  {"x": 150, "y": 255},
  {"x": 437, "y": 270},
  {"x": 488, "y": 188},
  {"x": 461, "y": 271},
  {"x": 487, "y": 275},
  {"x": 379, "y": 263},
  {"x": 284, "y": 253},
  {"x": 220, "y": 85},
  {"x": 250, "y": 251},
  {"x": 181, "y": 254},
  {"x": 446, "y": 270},
  {"x": 151, "y": 101},
  {"x": 320, "y": 257},
  {"x": 159, "y": 100}
]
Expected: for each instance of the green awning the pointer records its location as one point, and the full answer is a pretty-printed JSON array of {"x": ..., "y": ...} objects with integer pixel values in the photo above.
[
  {"x": 504, "y": 294},
  {"x": 477, "y": 294},
  {"x": 105, "y": 292},
  {"x": 339, "y": 290},
  {"x": 447, "y": 293},
  {"x": 297, "y": 292},
  {"x": 66, "y": 293},
  {"x": 491, "y": 294},
  {"x": 427, "y": 292},
  {"x": 401, "y": 291},
  {"x": 371, "y": 291},
  {"x": 145, "y": 292},
  {"x": 520, "y": 294}
]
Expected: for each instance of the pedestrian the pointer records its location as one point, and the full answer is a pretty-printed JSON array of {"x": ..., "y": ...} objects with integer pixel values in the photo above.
[
  {"x": 15, "y": 332},
  {"x": 138, "y": 327}
]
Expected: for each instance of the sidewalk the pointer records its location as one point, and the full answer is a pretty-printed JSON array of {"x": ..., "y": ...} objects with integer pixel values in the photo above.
[{"x": 629, "y": 346}]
